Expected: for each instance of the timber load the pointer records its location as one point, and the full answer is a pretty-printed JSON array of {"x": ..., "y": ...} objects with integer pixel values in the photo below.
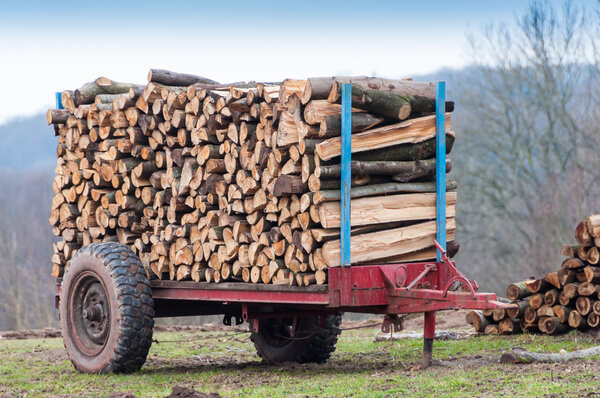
[
  {"x": 558, "y": 302},
  {"x": 221, "y": 182}
]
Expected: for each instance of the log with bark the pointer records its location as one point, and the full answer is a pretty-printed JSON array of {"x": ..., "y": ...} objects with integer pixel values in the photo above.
[{"x": 567, "y": 298}]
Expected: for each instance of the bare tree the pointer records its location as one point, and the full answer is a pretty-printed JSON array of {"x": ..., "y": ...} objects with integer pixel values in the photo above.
[
  {"x": 26, "y": 288},
  {"x": 529, "y": 156}
]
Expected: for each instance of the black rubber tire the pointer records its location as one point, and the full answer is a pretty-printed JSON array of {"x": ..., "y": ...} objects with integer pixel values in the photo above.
[
  {"x": 129, "y": 312},
  {"x": 311, "y": 344}
]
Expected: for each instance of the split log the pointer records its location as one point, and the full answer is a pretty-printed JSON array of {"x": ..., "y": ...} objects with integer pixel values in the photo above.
[
  {"x": 412, "y": 131},
  {"x": 537, "y": 285},
  {"x": 386, "y": 243},
  {"x": 552, "y": 278},
  {"x": 582, "y": 236},
  {"x": 593, "y": 225},
  {"x": 376, "y": 210},
  {"x": 406, "y": 152}
]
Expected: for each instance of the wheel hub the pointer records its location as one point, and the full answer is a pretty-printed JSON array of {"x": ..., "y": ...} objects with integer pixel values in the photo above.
[
  {"x": 90, "y": 315},
  {"x": 94, "y": 313}
]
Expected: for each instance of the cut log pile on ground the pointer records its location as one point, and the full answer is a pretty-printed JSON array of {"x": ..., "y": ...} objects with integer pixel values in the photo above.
[
  {"x": 563, "y": 300},
  {"x": 241, "y": 182}
]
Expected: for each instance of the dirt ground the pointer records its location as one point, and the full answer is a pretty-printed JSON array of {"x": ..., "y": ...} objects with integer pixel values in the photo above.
[
  {"x": 178, "y": 392},
  {"x": 235, "y": 357},
  {"x": 51, "y": 332}
]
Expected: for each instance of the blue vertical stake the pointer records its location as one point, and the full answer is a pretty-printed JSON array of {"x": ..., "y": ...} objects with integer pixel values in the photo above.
[
  {"x": 346, "y": 173},
  {"x": 440, "y": 165},
  {"x": 59, "y": 104}
]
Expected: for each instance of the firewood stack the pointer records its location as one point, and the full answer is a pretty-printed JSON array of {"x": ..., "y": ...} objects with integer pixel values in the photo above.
[
  {"x": 562, "y": 300},
  {"x": 241, "y": 182}
]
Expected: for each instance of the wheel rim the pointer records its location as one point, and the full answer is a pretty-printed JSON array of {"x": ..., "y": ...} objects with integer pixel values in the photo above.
[
  {"x": 89, "y": 314},
  {"x": 277, "y": 332}
]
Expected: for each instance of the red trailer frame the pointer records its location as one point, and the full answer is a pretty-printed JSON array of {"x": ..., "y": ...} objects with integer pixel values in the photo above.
[{"x": 389, "y": 289}]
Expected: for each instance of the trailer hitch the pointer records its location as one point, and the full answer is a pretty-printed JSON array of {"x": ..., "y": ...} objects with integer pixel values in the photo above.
[{"x": 467, "y": 284}]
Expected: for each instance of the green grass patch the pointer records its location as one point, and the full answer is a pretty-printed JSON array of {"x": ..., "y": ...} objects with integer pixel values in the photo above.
[{"x": 360, "y": 367}]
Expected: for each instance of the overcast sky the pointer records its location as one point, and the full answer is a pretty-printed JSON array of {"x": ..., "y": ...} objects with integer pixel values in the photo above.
[{"x": 51, "y": 46}]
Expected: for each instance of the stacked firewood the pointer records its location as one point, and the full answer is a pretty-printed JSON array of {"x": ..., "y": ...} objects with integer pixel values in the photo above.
[
  {"x": 562, "y": 300},
  {"x": 241, "y": 182}
]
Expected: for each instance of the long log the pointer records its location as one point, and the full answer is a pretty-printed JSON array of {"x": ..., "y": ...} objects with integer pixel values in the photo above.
[
  {"x": 428, "y": 254},
  {"x": 380, "y": 189},
  {"x": 405, "y": 152},
  {"x": 410, "y": 131},
  {"x": 520, "y": 355},
  {"x": 168, "y": 78},
  {"x": 402, "y": 171},
  {"x": 382, "y": 103},
  {"x": 378, "y": 209},
  {"x": 418, "y": 102},
  {"x": 331, "y": 126},
  {"x": 402, "y": 87},
  {"x": 386, "y": 243}
]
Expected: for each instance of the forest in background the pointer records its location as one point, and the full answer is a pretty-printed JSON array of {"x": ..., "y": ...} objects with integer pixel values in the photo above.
[{"x": 526, "y": 158}]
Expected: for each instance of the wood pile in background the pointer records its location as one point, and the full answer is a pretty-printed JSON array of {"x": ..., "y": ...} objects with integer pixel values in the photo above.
[
  {"x": 241, "y": 182},
  {"x": 560, "y": 301}
]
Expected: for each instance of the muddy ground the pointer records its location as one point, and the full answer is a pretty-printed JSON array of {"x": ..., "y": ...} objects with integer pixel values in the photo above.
[{"x": 375, "y": 362}]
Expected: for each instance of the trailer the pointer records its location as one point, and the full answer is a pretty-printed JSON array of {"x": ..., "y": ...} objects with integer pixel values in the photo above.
[{"x": 107, "y": 302}]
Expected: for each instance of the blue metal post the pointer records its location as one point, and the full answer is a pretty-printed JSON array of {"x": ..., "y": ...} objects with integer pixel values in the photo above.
[
  {"x": 59, "y": 104},
  {"x": 440, "y": 165},
  {"x": 346, "y": 173}
]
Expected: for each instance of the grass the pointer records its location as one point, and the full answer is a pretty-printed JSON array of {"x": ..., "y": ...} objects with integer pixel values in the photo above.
[{"x": 360, "y": 367}]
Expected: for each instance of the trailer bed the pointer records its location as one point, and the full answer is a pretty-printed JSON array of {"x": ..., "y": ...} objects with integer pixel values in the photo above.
[{"x": 240, "y": 292}]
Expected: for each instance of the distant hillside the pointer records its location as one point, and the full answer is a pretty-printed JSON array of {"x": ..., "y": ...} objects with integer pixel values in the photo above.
[{"x": 27, "y": 144}]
